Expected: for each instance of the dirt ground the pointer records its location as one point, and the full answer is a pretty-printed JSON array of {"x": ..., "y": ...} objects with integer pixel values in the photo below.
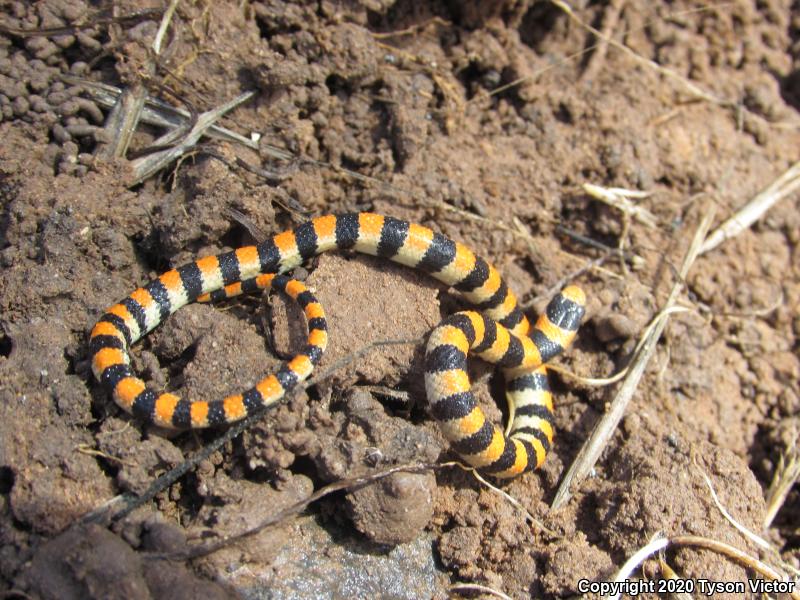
[{"x": 481, "y": 120}]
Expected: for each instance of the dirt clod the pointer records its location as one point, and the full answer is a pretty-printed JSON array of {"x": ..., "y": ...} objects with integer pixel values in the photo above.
[
  {"x": 91, "y": 562},
  {"x": 395, "y": 510}
]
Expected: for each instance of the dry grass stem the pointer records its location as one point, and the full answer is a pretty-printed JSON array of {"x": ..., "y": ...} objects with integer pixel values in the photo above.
[
  {"x": 438, "y": 204},
  {"x": 734, "y": 554},
  {"x": 669, "y": 573},
  {"x": 783, "y": 186},
  {"x": 786, "y": 475},
  {"x": 757, "y": 539},
  {"x": 150, "y": 164},
  {"x": 87, "y": 449},
  {"x": 122, "y": 121},
  {"x": 694, "y": 90},
  {"x": 86, "y": 22},
  {"x": 507, "y": 86},
  {"x": 516, "y": 503},
  {"x": 746, "y": 314},
  {"x": 667, "y": 116},
  {"x": 658, "y": 544},
  {"x": 604, "y": 381},
  {"x": 610, "y": 22},
  {"x": 655, "y": 545},
  {"x": 620, "y": 198},
  {"x": 474, "y": 587},
  {"x": 164, "y": 26},
  {"x": 594, "y": 446},
  {"x": 412, "y": 30},
  {"x": 159, "y": 113},
  {"x": 606, "y": 41},
  {"x": 384, "y": 390}
]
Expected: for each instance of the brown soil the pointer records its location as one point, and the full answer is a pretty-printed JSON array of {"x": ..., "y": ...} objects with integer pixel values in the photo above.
[{"x": 479, "y": 120}]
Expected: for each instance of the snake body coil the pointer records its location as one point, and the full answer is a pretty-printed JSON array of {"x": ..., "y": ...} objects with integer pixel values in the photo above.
[{"x": 499, "y": 333}]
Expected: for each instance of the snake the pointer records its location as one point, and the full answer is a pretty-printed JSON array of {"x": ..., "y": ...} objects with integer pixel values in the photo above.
[{"x": 494, "y": 329}]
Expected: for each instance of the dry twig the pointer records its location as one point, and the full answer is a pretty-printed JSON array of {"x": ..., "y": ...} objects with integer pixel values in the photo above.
[{"x": 783, "y": 186}]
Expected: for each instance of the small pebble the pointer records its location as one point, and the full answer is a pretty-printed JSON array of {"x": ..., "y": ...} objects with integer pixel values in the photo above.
[{"x": 614, "y": 326}]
